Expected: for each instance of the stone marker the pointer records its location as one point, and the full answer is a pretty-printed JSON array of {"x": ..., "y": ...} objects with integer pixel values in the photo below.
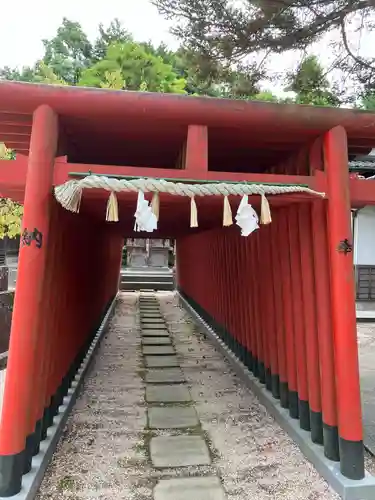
[
  {"x": 172, "y": 417},
  {"x": 167, "y": 394},
  {"x": 161, "y": 361},
  {"x": 178, "y": 451},
  {"x": 189, "y": 488},
  {"x": 164, "y": 376},
  {"x": 158, "y": 350},
  {"x": 156, "y": 340}
]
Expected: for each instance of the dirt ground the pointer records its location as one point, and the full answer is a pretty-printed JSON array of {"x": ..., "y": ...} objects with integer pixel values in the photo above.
[{"x": 103, "y": 454}]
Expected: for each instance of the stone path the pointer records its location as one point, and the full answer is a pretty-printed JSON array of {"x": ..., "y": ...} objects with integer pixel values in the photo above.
[
  {"x": 186, "y": 432},
  {"x": 170, "y": 406}
]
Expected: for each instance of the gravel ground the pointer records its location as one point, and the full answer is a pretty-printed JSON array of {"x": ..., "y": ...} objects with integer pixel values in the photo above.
[{"x": 103, "y": 454}]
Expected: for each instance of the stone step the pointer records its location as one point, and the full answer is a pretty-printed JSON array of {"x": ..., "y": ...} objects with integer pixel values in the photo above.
[
  {"x": 164, "y": 376},
  {"x": 190, "y": 488},
  {"x": 161, "y": 361},
  {"x": 178, "y": 451},
  {"x": 172, "y": 417},
  {"x": 167, "y": 394}
]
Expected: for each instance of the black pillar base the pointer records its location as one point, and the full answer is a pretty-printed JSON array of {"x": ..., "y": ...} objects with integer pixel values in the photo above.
[
  {"x": 352, "y": 463},
  {"x": 316, "y": 423},
  {"x": 268, "y": 379},
  {"x": 304, "y": 415},
  {"x": 255, "y": 369},
  {"x": 293, "y": 404},
  {"x": 261, "y": 372},
  {"x": 11, "y": 471},
  {"x": 275, "y": 386},
  {"x": 46, "y": 422},
  {"x": 284, "y": 399},
  {"x": 331, "y": 442}
]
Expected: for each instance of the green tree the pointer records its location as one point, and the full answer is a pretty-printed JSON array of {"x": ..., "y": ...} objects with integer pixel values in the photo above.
[
  {"x": 310, "y": 84},
  {"x": 115, "y": 33},
  {"x": 130, "y": 66},
  {"x": 10, "y": 212},
  {"x": 228, "y": 30},
  {"x": 69, "y": 52}
]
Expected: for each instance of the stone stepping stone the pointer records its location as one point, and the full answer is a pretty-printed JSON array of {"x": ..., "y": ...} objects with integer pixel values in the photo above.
[
  {"x": 158, "y": 350},
  {"x": 164, "y": 376},
  {"x": 155, "y": 333},
  {"x": 172, "y": 417},
  {"x": 154, "y": 327},
  {"x": 153, "y": 321},
  {"x": 178, "y": 451},
  {"x": 155, "y": 315},
  {"x": 161, "y": 361},
  {"x": 167, "y": 394},
  {"x": 156, "y": 341},
  {"x": 188, "y": 488}
]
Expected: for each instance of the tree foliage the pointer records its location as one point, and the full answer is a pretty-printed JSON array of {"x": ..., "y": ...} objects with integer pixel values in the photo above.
[
  {"x": 130, "y": 66},
  {"x": 10, "y": 212},
  {"x": 310, "y": 84},
  {"x": 231, "y": 30}
]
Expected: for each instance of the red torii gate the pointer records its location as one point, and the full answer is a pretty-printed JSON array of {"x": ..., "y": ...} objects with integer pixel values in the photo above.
[{"x": 282, "y": 299}]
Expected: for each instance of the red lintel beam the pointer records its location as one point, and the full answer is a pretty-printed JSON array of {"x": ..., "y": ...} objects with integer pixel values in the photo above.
[
  {"x": 62, "y": 170},
  {"x": 362, "y": 193}
]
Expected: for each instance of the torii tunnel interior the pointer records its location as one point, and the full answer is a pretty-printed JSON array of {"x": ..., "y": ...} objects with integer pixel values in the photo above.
[{"x": 282, "y": 299}]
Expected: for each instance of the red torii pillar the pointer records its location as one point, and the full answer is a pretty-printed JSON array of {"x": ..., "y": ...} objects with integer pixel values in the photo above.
[
  {"x": 343, "y": 313},
  {"x": 17, "y": 441}
]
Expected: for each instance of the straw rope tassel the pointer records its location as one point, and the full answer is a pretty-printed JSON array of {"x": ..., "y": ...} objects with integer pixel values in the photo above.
[
  {"x": 155, "y": 205},
  {"x": 227, "y": 213},
  {"x": 75, "y": 201},
  {"x": 265, "y": 211},
  {"x": 112, "y": 208},
  {"x": 193, "y": 213}
]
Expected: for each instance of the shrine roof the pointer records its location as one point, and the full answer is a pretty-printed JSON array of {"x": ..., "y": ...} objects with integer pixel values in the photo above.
[{"x": 91, "y": 114}]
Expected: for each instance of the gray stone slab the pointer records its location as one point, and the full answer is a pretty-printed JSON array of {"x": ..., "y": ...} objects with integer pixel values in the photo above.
[
  {"x": 155, "y": 333},
  {"x": 188, "y": 488},
  {"x": 172, "y": 417},
  {"x": 154, "y": 321},
  {"x": 167, "y": 394},
  {"x": 154, "y": 327},
  {"x": 161, "y": 361},
  {"x": 158, "y": 350},
  {"x": 164, "y": 376},
  {"x": 156, "y": 340},
  {"x": 178, "y": 451},
  {"x": 147, "y": 316}
]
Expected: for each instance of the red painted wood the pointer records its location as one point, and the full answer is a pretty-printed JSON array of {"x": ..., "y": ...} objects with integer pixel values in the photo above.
[
  {"x": 287, "y": 298},
  {"x": 323, "y": 311},
  {"x": 278, "y": 298},
  {"x": 342, "y": 289},
  {"x": 296, "y": 279},
  {"x": 25, "y": 339},
  {"x": 308, "y": 311},
  {"x": 197, "y": 149}
]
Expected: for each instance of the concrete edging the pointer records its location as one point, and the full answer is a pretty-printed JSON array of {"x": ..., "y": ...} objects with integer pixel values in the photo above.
[
  {"x": 348, "y": 489},
  {"x": 32, "y": 480}
]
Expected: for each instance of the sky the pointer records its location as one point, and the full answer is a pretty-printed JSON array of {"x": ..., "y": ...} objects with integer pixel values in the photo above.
[{"x": 35, "y": 20}]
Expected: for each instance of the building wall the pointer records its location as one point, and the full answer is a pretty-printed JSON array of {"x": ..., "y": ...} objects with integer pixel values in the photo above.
[{"x": 364, "y": 237}]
